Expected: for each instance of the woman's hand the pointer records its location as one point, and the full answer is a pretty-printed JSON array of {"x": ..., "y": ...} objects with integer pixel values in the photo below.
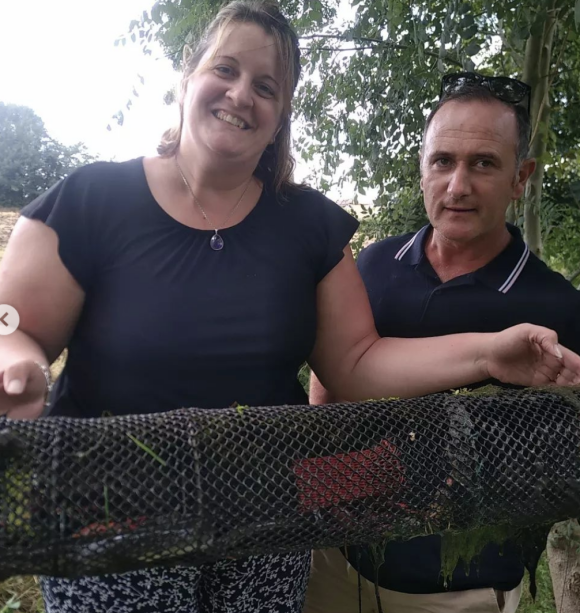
[
  {"x": 530, "y": 355},
  {"x": 23, "y": 388}
]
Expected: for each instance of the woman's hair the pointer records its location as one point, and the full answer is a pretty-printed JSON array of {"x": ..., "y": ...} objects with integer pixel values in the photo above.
[{"x": 276, "y": 164}]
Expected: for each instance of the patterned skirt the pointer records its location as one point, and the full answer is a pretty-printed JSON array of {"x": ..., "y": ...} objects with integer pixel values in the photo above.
[{"x": 258, "y": 584}]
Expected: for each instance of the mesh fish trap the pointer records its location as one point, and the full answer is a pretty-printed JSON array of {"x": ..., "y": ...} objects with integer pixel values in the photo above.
[{"x": 95, "y": 496}]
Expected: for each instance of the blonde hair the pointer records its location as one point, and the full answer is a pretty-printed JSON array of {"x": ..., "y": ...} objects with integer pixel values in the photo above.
[{"x": 276, "y": 165}]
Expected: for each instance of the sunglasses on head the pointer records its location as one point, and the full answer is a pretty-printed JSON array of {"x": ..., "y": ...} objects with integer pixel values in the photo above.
[{"x": 503, "y": 88}]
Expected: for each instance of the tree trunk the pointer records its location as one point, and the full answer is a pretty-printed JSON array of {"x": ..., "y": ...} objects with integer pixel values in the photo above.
[
  {"x": 565, "y": 565},
  {"x": 563, "y": 546},
  {"x": 537, "y": 60}
]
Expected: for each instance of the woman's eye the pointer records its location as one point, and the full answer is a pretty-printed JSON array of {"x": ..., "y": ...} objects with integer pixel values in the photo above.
[
  {"x": 224, "y": 70},
  {"x": 265, "y": 90}
]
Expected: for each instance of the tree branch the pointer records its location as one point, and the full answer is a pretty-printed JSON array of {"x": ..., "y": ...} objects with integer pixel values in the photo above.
[
  {"x": 376, "y": 41},
  {"x": 352, "y": 39},
  {"x": 551, "y": 77},
  {"x": 337, "y": 50}
]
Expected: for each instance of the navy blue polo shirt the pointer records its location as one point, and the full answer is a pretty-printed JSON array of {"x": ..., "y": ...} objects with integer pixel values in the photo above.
[{"x": 409, "y": 300}]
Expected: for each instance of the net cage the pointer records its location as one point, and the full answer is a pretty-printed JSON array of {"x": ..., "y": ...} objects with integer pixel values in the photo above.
[{"x": 96, "y": 496}]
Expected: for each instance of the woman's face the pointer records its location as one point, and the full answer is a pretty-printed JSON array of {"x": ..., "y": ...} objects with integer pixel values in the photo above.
[{"x": 234, "y": 100}]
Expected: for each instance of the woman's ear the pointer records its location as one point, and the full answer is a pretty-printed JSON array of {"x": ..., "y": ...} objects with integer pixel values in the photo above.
[
  {"x": 186, "y": 56},
  {"x": 273, "y": 139}
]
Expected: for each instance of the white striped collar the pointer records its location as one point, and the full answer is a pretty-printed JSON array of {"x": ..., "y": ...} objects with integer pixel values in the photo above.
[
  {"x": 414, "y": 250},
  {"x": 403, "y": 250},
  {"x": 516, "y": 272}
]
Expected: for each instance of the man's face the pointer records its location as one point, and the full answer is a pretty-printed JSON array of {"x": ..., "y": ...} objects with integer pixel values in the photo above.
[{"x": 469, "y": 169}]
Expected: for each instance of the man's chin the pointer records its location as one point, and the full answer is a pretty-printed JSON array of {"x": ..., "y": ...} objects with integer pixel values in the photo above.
[{"x": 457, "y": 232}]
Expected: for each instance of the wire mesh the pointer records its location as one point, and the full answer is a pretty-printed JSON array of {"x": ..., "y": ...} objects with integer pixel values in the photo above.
[{"x": 95, "y": 496}]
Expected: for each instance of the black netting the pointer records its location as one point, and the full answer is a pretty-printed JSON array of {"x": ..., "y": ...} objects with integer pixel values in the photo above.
[{"x": 113, "y": 494}]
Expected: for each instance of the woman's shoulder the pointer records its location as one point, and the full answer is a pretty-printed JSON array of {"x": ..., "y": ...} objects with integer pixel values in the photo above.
[
  {"x": 305, "y": 202},
  {"x": 90, "y": 192},
  {"x": 311, "y": 213},
  {"x": 303, "y": 194},
  {"x": 107, "y": 174}
]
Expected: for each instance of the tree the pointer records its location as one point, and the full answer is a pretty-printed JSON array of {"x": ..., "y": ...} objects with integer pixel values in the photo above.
[{"x": 31, "y": 161}]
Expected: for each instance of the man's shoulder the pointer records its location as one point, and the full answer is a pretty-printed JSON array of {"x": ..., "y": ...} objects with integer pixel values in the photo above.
[
  {"x": 539, "y": 273},
  {"x": 385, "y": 249}
]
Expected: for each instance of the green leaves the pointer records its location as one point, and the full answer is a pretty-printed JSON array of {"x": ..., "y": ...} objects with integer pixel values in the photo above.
[
  {"x": 13, "y": 604},
  {"x": 472, "y": 49},
  {"x": 31, "y": 161}
]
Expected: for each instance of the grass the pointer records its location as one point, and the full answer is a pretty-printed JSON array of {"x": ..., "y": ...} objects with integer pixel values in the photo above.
[
  {"x": 22, "y": 594},
  {"x": 545, "y": 597}
]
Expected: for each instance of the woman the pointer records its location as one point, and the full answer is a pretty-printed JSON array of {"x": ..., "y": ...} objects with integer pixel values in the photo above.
[{"x": 204, "y": 277}]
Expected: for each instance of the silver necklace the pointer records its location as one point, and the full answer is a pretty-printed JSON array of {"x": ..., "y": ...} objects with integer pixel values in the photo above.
[{"x": 216, "y": 242}]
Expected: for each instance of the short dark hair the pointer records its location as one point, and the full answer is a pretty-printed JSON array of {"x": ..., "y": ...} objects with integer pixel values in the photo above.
[{"x": 482, "y": 94}]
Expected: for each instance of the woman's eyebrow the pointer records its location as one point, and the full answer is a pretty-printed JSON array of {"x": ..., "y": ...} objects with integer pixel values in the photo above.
[
  {"x": 226, "y": 57},
  {"x": 230, "y": 58},
  {"x": 270, "y": 77}
]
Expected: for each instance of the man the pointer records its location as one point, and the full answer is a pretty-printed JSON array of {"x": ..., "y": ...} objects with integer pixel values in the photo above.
[{"x": 467, "y": 271}]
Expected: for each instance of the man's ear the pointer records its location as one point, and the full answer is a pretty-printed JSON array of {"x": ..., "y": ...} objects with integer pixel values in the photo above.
[
  {"x": 525, "y": 171},
  {"x": 421, "y": 168}
]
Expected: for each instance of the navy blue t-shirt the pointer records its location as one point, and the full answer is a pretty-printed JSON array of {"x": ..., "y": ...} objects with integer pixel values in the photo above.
[
  {"x": 167, "y": 321},
  {"x": 409, "y": 300}
]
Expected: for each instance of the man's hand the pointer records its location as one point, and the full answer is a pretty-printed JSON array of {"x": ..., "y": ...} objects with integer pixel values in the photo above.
[{"x": 530, "y": 355}]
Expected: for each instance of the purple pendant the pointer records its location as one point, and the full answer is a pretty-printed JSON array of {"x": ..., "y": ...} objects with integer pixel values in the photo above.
[{"x": 216, "y": 242}]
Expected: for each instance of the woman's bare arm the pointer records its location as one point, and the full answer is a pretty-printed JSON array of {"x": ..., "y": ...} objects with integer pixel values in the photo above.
[
  {"x": 354, "y": 363},
  {"x": 318, "y": 394},
  {"x": 36, "y": 283}
]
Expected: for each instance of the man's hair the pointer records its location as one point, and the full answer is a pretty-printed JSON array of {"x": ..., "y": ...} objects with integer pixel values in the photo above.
[{"x": 479, "y": 93}]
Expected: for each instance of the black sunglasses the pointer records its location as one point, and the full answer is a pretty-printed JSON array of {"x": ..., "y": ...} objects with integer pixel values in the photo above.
[{"x": 503, "y": 88}]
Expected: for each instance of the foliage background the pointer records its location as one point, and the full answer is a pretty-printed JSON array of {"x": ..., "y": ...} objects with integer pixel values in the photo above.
[{"x": 30, "y": 160}]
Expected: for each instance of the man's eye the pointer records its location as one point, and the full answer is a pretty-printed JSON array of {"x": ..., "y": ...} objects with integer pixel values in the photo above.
[
  {"x": 485, "y": 163},
  {"x": 442, "y": 162}
]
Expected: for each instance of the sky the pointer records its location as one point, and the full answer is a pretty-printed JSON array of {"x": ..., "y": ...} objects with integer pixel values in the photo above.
[{"x": 58, "y": 57}]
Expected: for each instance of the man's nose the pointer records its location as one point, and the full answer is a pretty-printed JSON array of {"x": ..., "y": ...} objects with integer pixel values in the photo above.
[{"x": 459, "y": 183}]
